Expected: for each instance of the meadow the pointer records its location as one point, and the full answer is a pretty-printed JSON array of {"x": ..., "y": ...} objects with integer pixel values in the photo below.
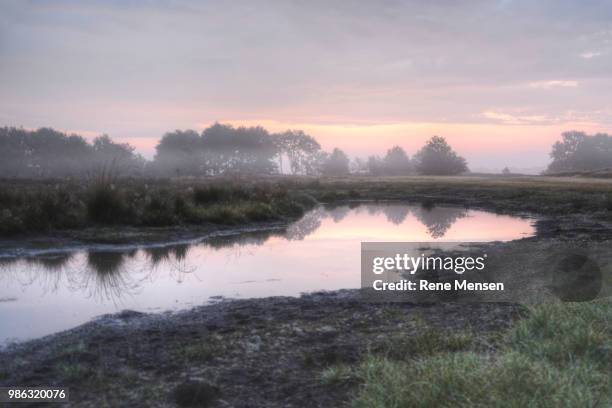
[{"x": 35, "y": 206}]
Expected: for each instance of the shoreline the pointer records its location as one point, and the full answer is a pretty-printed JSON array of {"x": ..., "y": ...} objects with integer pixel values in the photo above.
[{"x": 234, "y": 345}]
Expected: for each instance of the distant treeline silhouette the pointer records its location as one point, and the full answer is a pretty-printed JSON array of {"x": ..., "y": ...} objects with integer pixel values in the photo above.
[
  {"x": 48, "y": 153},
  {"x": 579, "y": 152},
  {"x": 219, "y": 150}
]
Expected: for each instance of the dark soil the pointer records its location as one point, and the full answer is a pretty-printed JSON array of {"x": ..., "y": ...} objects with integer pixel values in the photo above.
[{"x": 245, "y": 353}]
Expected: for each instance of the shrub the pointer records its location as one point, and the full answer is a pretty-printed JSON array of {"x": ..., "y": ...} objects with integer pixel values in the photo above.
[
  {"x": 105, "y": 205},
  {"x": 211, "y": 194},
  {"x": 159, "y": 212}
]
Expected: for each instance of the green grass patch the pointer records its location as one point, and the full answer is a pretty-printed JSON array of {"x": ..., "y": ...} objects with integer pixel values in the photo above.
[
  {"x": 559, "y": 356},
  {"x": 567, "y": 332},
  {"x": 468, "y": 379}
]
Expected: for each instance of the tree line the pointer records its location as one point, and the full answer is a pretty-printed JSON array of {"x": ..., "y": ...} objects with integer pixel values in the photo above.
[
  {"x": 226, "y": 150},
  {"x": 580, "y": 152},
  {"x": 219, "y": 150},
  {"x": 46, "y": 153}
]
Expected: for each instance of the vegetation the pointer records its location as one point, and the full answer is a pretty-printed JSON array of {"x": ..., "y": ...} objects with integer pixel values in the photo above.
[
  {"x": 337, "y": 164},
  {"x": 560, "y": 356},
  {"x": 219, "y": 150},
  {"x": 438, "y": 158},
  {"x": 579, "y": 152},
  {"x": 540, "y": 195},
  {"x": 224, "y": 150},
  {"x": 302, "y": 151},
  {"x": 395, "y": 163},
  {"x": 47, "y": 153},
  {"x": 40, "y": 206}
]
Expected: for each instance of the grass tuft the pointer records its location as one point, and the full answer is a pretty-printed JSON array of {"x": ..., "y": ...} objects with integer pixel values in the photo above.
[
  {"x": 560, "y": 356},
  {"x": 337, "y": 374}
]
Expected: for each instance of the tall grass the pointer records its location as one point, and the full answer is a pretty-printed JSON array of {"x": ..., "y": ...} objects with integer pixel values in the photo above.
[{"x": 105, "y": 200}]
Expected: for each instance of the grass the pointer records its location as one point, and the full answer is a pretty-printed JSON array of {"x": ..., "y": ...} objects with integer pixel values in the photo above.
[
  {"x": 32, "y": 207},
  {"x": 564, "y": 333},
  {"x": 73, "y": 371},
  {"x": 40, "y": 206},
  {"x": 199, "y": 352},
  {"x": 545, "y": 195},
  {"x": 468, "y": 379},
  {"x": 425, "y": 343},
  {"x": 560, "y": 356},
  {"x": 337, "y": 374}
]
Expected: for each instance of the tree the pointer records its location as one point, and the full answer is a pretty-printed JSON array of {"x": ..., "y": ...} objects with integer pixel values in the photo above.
[
  {"x": 438, "y": 158},
  {"x": 337, "y": 164},
  {"x": 359, "y": 166},
  {"x": 242, "y": 150},
  {"x": 219, "y": 150},
  {"x": 301, "y": 149},
  {"x": 578, "y": 151},
  {"x": 375, "y": 165},
  {"x": 13, "y": 152},
  {"x": 49, "y": 153},
  {"x": 396, "y": 162},
  {"x": 506, "y": 171},
  {"x": 118, "y": 157},
  {"x": 180, "y": 153}
]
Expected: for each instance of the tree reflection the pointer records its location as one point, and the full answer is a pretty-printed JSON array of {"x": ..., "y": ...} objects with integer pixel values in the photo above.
[
  {"x": 309, "y": 223},
  {"x": 396, "y": 214},
  {"x": 338, "y": 213},
  {"x": 438, "y": 220},
  {"x": 113, "y": 274}
]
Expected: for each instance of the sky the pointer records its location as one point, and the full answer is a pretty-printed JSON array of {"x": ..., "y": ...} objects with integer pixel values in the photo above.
[{"x": 501, "y": 80}]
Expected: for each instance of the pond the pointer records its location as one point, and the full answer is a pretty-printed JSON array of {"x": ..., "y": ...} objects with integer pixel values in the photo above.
[{"x": 43, "y": 294}]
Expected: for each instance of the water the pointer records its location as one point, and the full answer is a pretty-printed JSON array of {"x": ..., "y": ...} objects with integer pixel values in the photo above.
[{"x": 44, "y": 294}]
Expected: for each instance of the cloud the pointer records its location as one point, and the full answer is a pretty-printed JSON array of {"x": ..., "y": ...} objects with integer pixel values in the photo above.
[
  {"x": 553, "y": 84},
  {"x": 591, "y": 54},
  {"x": 509, "y": 119}
]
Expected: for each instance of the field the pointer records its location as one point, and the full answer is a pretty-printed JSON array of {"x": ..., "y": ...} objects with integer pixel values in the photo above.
[{"x": 38, "y": 207}]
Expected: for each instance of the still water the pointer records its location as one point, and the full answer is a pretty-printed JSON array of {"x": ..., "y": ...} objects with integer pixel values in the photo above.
[{"x": 44, "y": 294}]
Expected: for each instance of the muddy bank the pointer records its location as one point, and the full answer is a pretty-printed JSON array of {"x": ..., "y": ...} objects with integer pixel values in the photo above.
[
  {"x": 126, "y": 238},
  {"x": 569, "y": 226},
  {"x": 245, "y": 353}
]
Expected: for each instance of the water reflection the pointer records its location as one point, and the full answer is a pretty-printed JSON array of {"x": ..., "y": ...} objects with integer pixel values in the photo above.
[
  {"x": 106, "y": 276},
  {"x": 439, "y": 219},
  {"x": 396, "y": 214},
  {"x": 320, "y": 251}
]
